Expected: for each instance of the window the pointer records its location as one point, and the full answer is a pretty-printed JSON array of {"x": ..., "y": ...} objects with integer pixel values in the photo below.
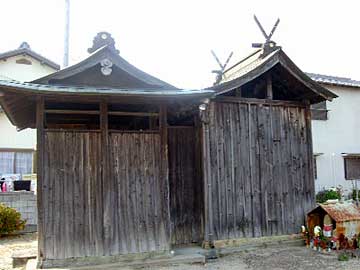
[
  {"x": 352, "y": 167},
  {"x": 319, "y": 111},
  {"x": 23, "y": 61},
  {"x": 16, "y": 161}
]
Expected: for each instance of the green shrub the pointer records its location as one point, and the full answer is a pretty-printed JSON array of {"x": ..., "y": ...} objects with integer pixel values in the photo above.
[
  {"x": 10, "y": 220},
  {"x": 324, "y": 195}
]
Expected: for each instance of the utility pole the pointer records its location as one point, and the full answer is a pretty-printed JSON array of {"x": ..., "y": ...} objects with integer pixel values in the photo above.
[{"x": 67, "y": 33}]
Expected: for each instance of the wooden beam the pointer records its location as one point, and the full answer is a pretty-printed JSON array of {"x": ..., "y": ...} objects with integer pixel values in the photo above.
[
  {"x": 141, "y": 114},
  {"x": 259, "y": 101},
  {"x": 40, "y": 172},
  {"x": 134, "y": 131},
  {"x": 96, "y": 112},
  {"x": 269, "y": 88},
  {"x": 72, "y": 112}
]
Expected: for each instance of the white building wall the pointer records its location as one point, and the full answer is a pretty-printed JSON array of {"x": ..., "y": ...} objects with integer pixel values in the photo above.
[
  {"x": 11, "y": 138},
  {"x": 339, "y": 134},
  {"x": 9, "y": 69}
]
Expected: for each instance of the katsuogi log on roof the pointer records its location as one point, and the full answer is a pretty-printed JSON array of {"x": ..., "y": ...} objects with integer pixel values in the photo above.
[{"x": 288, "y": 81}]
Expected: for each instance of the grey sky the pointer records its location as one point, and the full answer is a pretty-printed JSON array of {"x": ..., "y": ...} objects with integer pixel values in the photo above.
[{"x": 172, "y": 39}]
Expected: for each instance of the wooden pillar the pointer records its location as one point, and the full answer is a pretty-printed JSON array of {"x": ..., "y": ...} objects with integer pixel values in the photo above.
[
  {"x": 153, "y": 122},
  {"x": 164, "y": 170},
  {"x": 208, "y": 208},
  {"x": 269, "y": 89},
  {"x": 238, "y": 92},
  {"x": 40, "y": 119}
]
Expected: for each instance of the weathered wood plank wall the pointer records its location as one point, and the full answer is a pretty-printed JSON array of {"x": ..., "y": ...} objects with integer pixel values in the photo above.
[
  {"x": 186, "y": 188},
  {"x": 78, "y": 220},
  {"x": 261, "y": 168}
]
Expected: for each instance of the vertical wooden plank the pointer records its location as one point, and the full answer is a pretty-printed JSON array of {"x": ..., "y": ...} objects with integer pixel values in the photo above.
[
  {"x": 245, "y": 148},
  {"x": 277, "y": 177},
  {"x": 222, "y": 181},
  {"x": 264, "y": 176},
  {"x": 255, "y": 149},
  {"x": 164, "y": 176},
  {"x": 98, "y": 197},
  {"x": 214, "y": 196},
  {"x": 48, "y": 202},
  {"x": 107, "y": 183},
  {"x": 231, "y": 171}
]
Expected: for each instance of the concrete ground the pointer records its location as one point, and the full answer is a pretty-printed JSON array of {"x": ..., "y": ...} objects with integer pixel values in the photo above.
[{"x": 275, "y": 257}]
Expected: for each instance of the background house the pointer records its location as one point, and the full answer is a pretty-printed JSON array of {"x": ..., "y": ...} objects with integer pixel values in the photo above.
[
  {"x": 336, "y": 131},
  {"x": 17, "y": 148}
]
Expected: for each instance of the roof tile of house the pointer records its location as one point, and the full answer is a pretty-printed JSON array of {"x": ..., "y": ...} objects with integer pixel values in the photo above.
[{"x": 333, "y": 80}]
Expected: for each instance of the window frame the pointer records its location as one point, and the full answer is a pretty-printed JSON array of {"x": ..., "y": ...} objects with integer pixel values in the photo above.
[
  {"x": 347, "y": 158},
  {"x": 319, "y": 111}
]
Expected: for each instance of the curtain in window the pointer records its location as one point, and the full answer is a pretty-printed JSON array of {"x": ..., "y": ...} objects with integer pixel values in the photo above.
[
  {"x": 7, "y": 160},
  {"x": 23, "y": 162}
]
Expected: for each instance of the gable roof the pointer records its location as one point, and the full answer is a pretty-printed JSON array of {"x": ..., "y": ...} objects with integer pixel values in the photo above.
[
  {"x": 25, "y": 49},
  {"x": 258, "y": 63},
  {"x": 95, "y": 60},
  {"x": 340, "y": 212},
  {"x": 334, "y": 80}
]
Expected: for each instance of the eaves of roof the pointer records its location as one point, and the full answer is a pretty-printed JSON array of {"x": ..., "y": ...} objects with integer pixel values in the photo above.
[
  {"x": 33, "y": 88},
  {"x": 31, "y": 53}
]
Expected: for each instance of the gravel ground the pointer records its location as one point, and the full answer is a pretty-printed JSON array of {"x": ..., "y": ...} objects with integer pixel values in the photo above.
[
  {"x": 15, "y": 243},
  {"x": 278, "y": 258}
]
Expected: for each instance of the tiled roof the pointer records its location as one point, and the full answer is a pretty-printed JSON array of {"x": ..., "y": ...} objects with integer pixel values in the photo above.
[{"x": 342, "y": 81}]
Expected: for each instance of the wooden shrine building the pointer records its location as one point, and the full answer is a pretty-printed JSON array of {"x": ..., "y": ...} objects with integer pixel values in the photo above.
[{"x": 130, "y": 164}]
